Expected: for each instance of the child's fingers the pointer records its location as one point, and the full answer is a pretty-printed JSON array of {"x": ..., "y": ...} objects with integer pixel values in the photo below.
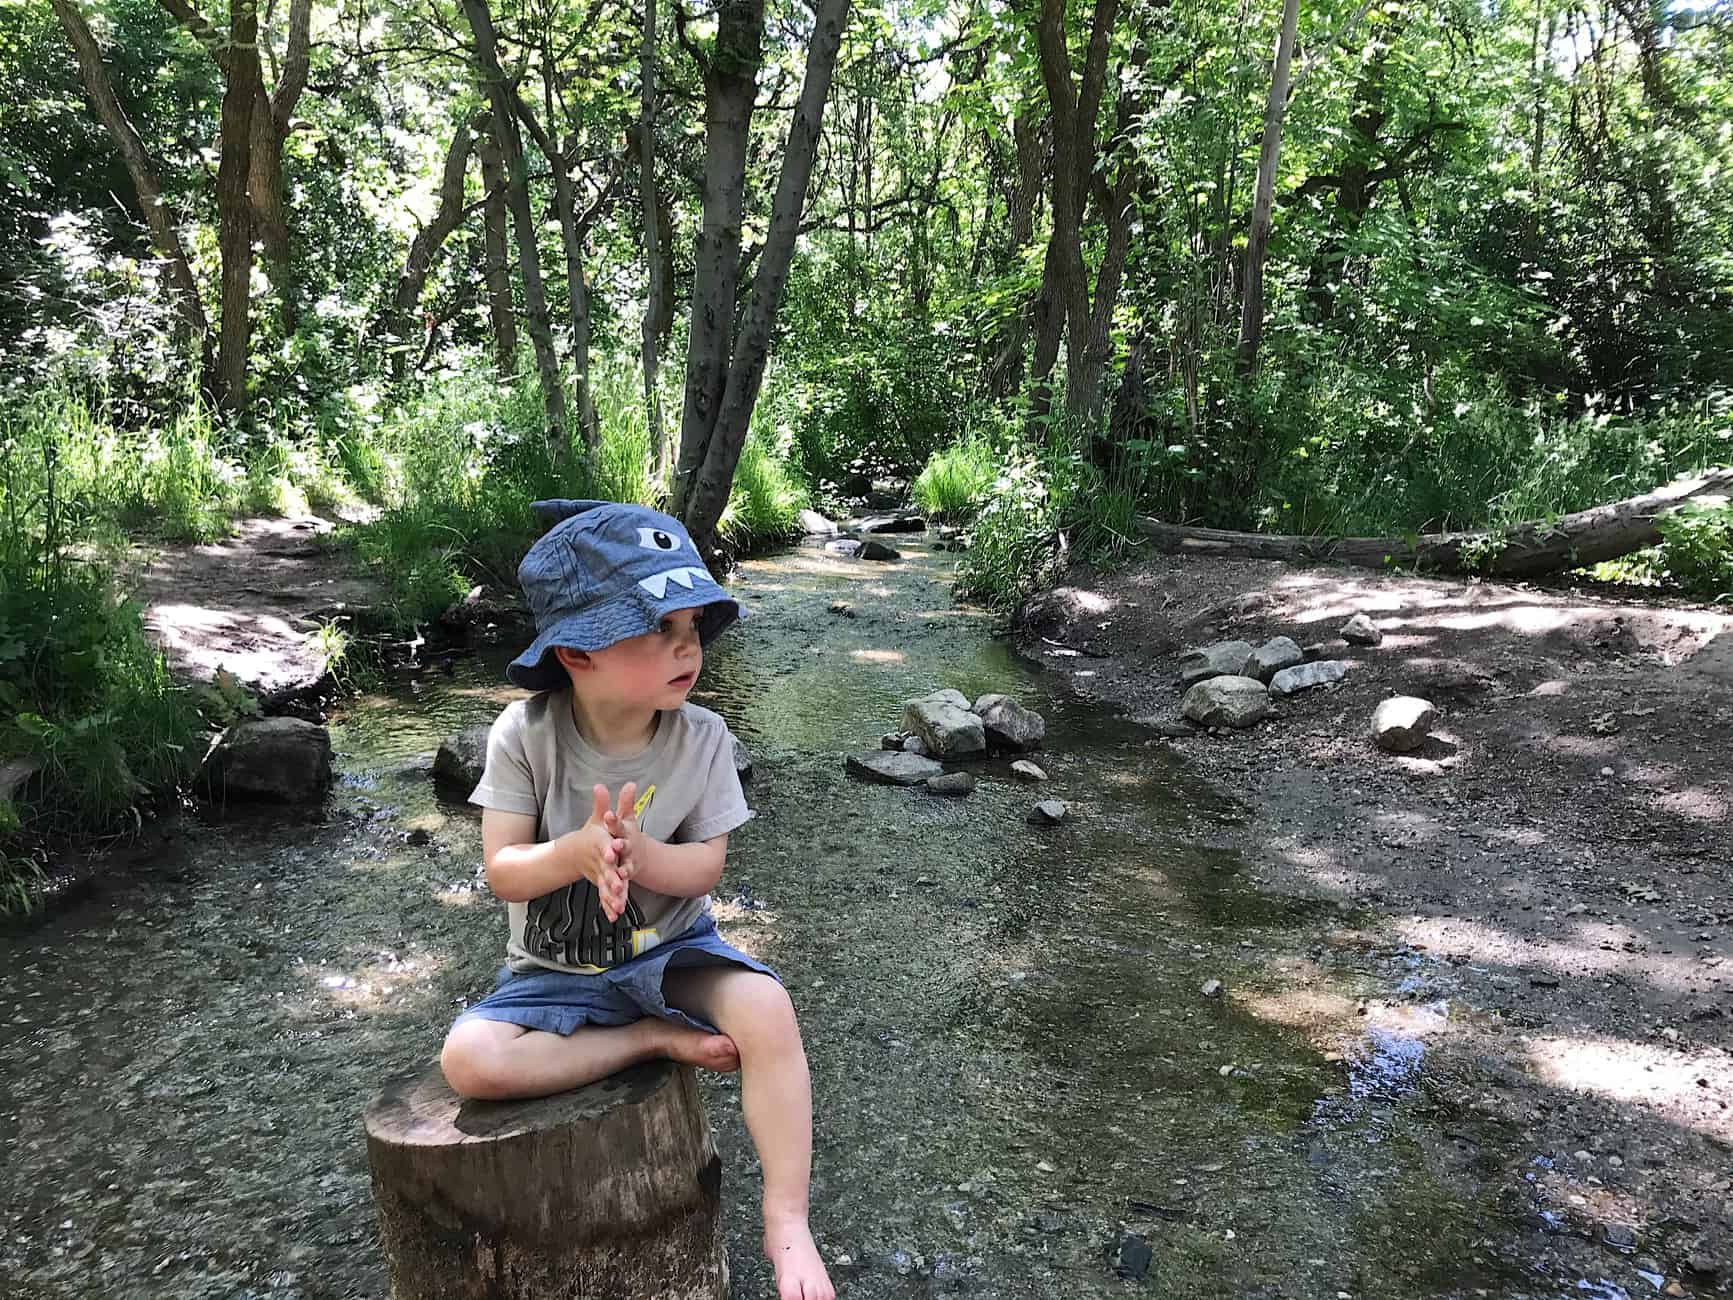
[
  {"x": 628, "y": 798},
  {"x": 600, "y": 795}
]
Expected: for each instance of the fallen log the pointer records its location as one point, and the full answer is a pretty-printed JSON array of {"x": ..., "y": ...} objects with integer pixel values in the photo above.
[{"x": 1523, "y": 550}]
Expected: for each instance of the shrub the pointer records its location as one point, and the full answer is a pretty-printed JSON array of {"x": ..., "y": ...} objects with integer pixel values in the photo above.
[{"x": 1697, "y": 547}]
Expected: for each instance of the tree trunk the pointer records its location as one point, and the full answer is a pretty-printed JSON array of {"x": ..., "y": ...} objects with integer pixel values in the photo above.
[
  {"x": 234, "y": 208},
  {"x": 1525, "y": 550},
  {"x": 498, "y": 270},
  {"x": 650, "y": 205},
  {"x": 1269, "y": 157},
  {"x": 730, "y": 81},
  {"x": 265, "y": 191},
  {"x": 609, "y": 1190},
  {"x": 713, "y": 474},
  {"x": 188, "y": 305},
  {"x": 426, "y": 245},
  {"x": 503, "y": 101}
]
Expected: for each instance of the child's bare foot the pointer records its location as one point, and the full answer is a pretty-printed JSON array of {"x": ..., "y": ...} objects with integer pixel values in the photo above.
[
  {"x": 800, "y": 1272},
  {"x": 706, "y": 1051}
]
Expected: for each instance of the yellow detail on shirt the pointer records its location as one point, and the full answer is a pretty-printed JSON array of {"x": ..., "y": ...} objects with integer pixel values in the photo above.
[
  {"x": 644, "y": 940},
  {"x": 643, "y": 802}
]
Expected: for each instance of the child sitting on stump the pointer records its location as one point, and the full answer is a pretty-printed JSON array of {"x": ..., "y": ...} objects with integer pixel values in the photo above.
[{"x": 608, "y": 799}]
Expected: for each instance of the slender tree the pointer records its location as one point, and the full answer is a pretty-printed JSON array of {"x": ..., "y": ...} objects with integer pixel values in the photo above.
[
  {"x": 504, "y": 121},
  {"x": 723, "y": 369},
  {"x": 1269, "y": 158}
]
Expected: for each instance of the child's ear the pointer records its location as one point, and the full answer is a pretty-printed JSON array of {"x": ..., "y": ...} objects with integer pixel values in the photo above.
[{"x": 575, "y": 661}]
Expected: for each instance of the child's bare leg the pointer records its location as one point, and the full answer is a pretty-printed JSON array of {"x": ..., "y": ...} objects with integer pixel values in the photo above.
[
  {"x": 495, "y": 1061},
  {"x": 776, "y": 1100}
]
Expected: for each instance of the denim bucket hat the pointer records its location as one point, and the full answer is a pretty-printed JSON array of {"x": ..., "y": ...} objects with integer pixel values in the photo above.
[{"x": 605, "y": 572}]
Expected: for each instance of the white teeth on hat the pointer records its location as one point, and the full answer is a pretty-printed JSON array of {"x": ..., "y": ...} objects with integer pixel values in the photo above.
[{"x": 657, "y": 583}]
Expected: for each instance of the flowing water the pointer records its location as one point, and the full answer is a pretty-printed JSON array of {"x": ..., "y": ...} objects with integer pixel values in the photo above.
[{"x": 1020, "y": 1080}]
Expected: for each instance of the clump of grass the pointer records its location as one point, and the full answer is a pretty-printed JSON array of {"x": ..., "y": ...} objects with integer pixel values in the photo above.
[
  {"x": 767, "y": 497},
  {"x": 955, "y": 481},
  {"x": 86, "y": 702}
]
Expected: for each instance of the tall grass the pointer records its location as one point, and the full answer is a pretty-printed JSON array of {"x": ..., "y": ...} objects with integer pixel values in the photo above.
[
  {"x": 87, "y": 708},
  {"x": 955, "y": 481}
]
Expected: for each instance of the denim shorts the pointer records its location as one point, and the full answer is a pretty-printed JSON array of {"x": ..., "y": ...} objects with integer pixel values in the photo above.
[{"x": 559, "y": 1002}]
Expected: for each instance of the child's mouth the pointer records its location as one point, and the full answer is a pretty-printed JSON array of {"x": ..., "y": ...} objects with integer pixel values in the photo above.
[{"x": 684, "y": 679}]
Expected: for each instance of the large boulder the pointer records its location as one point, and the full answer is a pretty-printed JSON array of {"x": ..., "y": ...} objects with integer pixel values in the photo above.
[
  {"x": 816, "y": 525},
  {"x": 943, "y": 721},
  {"x": 462, "y": 757},
  {"x": 891, "y": 768},
  {"x": 873, "y": 549},
  {"x": 1272, "y": 656},
  {"x": 1220, "y": 659},
  {"x": 1400, "y": 723},
  {"x": 1303, "y": 677},
  {"x": 1009, "y": 725},
  {"x": 1232, "y": 701},
  {"x": 277, "y": 760}
]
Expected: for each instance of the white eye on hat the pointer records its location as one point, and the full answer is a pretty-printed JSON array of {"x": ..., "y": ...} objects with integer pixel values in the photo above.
[{"x": 655, "y": 539}]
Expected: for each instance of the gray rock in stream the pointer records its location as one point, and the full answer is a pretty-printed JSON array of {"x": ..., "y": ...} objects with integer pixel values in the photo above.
[
  {"x": 943, "y": 721},
  {"x": 1400, "y": 724},
  {"x": 462, "y": 757},
  {"x": 1272, "y": 656},
  {"x": 952, "y": 783},
  {"x": 1219, "y": 659},
  {"x": 1049, "y": 812},
  {"x": 274, "y": 760},
  {"x": 1226, "y": 702},
  {"x": 1009, "y": 725},
  {"x": 1304, "y": 677},
  {"x": 1361, "y": 630},
  {"x": 889, "y": 768}
]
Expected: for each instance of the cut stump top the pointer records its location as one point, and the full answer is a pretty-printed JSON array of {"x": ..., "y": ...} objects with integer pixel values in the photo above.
[{"x": 420, "y": 1109}]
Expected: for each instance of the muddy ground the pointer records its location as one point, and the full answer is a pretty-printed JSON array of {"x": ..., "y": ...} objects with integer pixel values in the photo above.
[
  {"x": 1029, "y": 1081},
  {"x": 1561, "y": 848}
]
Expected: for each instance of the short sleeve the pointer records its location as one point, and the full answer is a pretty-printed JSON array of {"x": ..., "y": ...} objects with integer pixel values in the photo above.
[
  {"x": 507, "y": 784},
  {"x": 721, "y": 805}
]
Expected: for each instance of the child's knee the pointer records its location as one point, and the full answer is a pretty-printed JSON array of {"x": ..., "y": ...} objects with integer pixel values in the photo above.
[
  {"x": 761, "y": 1012},
  {"x": 474, "y": 1062}
]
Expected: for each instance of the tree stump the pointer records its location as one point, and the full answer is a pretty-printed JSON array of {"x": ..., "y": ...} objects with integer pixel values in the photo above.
[{"x": 609, "y": 1192}]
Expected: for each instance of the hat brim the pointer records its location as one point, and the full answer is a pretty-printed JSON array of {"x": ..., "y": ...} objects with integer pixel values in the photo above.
[{"x": 632, "y": 613}]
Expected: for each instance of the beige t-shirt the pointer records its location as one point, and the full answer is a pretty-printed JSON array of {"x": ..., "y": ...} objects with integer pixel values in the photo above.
[{"x": 688, "y": 790}]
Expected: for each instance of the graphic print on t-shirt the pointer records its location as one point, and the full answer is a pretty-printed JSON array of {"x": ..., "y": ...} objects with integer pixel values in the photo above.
[{"x": 569, "y": 926}]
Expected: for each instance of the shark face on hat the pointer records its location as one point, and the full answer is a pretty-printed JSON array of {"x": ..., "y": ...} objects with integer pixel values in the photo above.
[{"x": 607, "y": 572}]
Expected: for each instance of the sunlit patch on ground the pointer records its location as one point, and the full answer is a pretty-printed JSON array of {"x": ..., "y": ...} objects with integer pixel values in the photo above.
[{"x": 1690, "y": 1088}]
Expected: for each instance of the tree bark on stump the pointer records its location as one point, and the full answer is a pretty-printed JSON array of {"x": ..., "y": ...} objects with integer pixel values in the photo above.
[
  {"x": 612, "y": 1190},
  {"x": 1522, "y": 551}
]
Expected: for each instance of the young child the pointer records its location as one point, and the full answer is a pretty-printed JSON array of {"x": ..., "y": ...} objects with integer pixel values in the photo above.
[{"x": 607, "y": 803}]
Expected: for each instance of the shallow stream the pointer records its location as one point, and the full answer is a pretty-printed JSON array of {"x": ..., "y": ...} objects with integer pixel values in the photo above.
[{"x": 1021, "y": 1081}]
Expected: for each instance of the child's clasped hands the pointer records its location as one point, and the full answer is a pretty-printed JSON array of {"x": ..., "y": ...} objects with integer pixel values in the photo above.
[{"x": 608, "y": 846}]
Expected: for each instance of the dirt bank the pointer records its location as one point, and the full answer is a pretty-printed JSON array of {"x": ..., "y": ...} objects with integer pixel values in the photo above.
[{"x": 1563, "y": 844}]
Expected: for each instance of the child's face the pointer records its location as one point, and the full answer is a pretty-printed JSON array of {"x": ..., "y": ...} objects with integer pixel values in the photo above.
[{"x": 653, "y": 671}]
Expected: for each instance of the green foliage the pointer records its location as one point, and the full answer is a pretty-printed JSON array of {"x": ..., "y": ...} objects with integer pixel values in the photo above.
[
  {"x": 85, "y": 700},
  {"x": 1697, "y": 547},
  {"x": 768, "y": 494},
  {"x": 955, "y": 481}
]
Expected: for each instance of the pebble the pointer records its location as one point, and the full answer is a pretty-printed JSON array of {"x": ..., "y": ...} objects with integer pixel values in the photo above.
[
  {"x": 1606, "y": 771},
  {"x": 1028, "y": 771},
  {"x": 1211, "y": 988}
]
